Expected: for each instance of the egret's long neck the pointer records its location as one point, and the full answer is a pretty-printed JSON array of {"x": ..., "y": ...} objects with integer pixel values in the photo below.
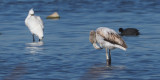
[{"x": 28, "y": 16}]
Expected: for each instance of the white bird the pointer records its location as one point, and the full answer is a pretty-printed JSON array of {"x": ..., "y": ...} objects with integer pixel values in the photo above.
[
  {"x": 35, "y": 25},
  {"x": 108, "y": 39}
]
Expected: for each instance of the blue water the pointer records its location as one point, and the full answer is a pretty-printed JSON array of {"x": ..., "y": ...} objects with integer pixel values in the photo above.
[{"x": 66, "y": 53}]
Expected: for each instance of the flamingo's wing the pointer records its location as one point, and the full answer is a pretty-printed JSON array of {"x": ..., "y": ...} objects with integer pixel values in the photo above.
[{"x": 112, "y": 37}]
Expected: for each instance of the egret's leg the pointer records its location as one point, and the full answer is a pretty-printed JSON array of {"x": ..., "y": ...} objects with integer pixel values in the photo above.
[
  {"x": 40, "y": 40},
  {"x": 108, "y": 58},
  {"x": 33, "y": 38}
]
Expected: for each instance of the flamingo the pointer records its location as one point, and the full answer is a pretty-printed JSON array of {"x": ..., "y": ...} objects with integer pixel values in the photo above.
[
  {"x": 35, "y": 25},
  {"x": 108, "y": 39}
]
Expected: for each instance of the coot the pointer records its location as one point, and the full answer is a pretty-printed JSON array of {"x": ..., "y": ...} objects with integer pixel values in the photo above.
[{"x": 129, "y": 32}]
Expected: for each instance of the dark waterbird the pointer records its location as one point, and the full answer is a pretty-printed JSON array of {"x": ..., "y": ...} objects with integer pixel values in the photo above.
[{"x": 129, "y": 32}]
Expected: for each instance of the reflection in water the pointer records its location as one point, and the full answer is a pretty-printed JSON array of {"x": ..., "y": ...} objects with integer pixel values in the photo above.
[
  {"x": 34, "y": 47},
  {"x": 17, "y": 72},
  {"x": 54, "y": 18},
  {"x": 101, "y": 72}
]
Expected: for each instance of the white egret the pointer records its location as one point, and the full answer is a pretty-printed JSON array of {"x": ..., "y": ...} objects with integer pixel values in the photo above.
[
  {"x": 35, "y": 25},
  {"x": 108, "y": 39}
]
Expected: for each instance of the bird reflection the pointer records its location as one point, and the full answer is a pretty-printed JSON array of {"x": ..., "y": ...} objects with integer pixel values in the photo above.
[
  {"x": 17, "y": 73},
  {"x": 34, "y": 47},
  {"x": 101, "y": 72}
]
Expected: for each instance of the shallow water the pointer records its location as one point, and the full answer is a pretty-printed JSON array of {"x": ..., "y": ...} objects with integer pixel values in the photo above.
[{"x": 66, "y": 53}]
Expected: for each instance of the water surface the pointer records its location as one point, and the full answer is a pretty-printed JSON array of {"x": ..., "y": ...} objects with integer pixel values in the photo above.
[{"x": 66, "y": 53}]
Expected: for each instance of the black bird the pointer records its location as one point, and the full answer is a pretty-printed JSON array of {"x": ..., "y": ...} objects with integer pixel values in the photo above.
[{"x": 129, "y": 32}]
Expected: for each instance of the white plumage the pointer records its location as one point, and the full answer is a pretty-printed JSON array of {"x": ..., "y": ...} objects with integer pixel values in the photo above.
[
  {"x": 35, "y": 25},
  {"x": 108, "y": 39}
]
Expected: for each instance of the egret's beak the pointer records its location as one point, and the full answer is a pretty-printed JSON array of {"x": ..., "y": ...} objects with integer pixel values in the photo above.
[{"x": 32, "y": 14}]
